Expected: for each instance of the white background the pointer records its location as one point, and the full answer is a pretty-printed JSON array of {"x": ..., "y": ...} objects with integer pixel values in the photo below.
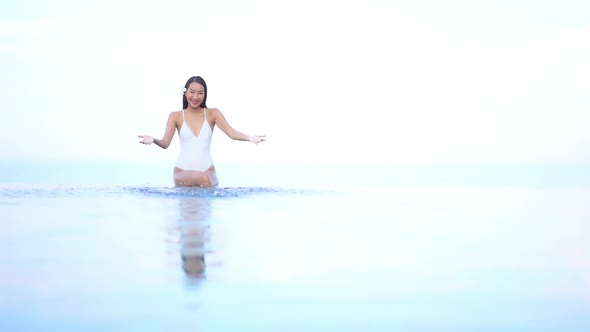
[{"x": 378, "y": 81}]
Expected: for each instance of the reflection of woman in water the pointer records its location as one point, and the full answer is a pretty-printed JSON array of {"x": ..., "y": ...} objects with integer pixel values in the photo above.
[
  {"x": 193, "y": 228},
  {"x": 195, "y": 124}
]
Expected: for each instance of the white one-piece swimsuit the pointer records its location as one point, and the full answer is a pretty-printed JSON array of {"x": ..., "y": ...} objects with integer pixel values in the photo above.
[{"x": 195, "y": 152}]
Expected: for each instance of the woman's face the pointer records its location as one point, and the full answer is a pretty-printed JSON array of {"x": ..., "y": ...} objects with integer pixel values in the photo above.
[{"x": 195, "y": 93}]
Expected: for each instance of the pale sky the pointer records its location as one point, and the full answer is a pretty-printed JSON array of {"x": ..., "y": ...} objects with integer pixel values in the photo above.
[{"x": 380, "y": 81}]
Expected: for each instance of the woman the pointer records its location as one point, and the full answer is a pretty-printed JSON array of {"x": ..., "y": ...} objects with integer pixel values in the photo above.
[{"x": 195, "y": 123}]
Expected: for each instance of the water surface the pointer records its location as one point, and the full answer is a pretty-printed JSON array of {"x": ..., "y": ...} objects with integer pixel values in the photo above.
[{"x": 99, "y": 257}]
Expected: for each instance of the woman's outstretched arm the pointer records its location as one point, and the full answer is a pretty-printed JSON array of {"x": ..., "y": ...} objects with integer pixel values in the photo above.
[
  {"x": 222, "y": 123},
  {"x": 168, "y": 134}
]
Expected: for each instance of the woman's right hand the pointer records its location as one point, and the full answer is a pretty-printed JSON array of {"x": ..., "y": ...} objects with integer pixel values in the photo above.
[{"x": 145, "y": 139}]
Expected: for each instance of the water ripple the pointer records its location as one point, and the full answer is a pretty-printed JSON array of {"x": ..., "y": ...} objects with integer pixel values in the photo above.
[{"x": 50, "y": 191}]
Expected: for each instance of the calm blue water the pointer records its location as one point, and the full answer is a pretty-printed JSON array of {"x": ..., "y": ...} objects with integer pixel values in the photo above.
[
  {"x": 107, "y": 247},
  {"x": 299, "y": 175}
]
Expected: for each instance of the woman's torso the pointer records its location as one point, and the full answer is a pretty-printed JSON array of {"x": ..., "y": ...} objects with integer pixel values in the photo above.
[{"x": 195, "y": 151}]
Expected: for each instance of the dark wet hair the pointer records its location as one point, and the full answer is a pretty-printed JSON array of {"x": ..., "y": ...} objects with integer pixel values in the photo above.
[
  {"x": 197, "y": 79},
  {"x": 193, "y": 274}
]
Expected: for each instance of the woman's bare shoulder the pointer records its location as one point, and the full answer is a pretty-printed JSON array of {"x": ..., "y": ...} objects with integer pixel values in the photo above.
[
  {"x": 175, "y": 115},
  {"x": 214, "y": 112}
]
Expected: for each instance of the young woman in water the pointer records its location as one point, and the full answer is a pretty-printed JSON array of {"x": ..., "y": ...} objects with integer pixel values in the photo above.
[{"x": 195, "y": 124}]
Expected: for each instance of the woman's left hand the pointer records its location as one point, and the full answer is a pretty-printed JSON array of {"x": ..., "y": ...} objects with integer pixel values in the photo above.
[{"x": 257, "y": 138}]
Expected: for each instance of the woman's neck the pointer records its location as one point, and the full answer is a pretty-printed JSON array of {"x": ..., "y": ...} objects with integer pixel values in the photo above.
[{"x": 197, "y": 109}]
